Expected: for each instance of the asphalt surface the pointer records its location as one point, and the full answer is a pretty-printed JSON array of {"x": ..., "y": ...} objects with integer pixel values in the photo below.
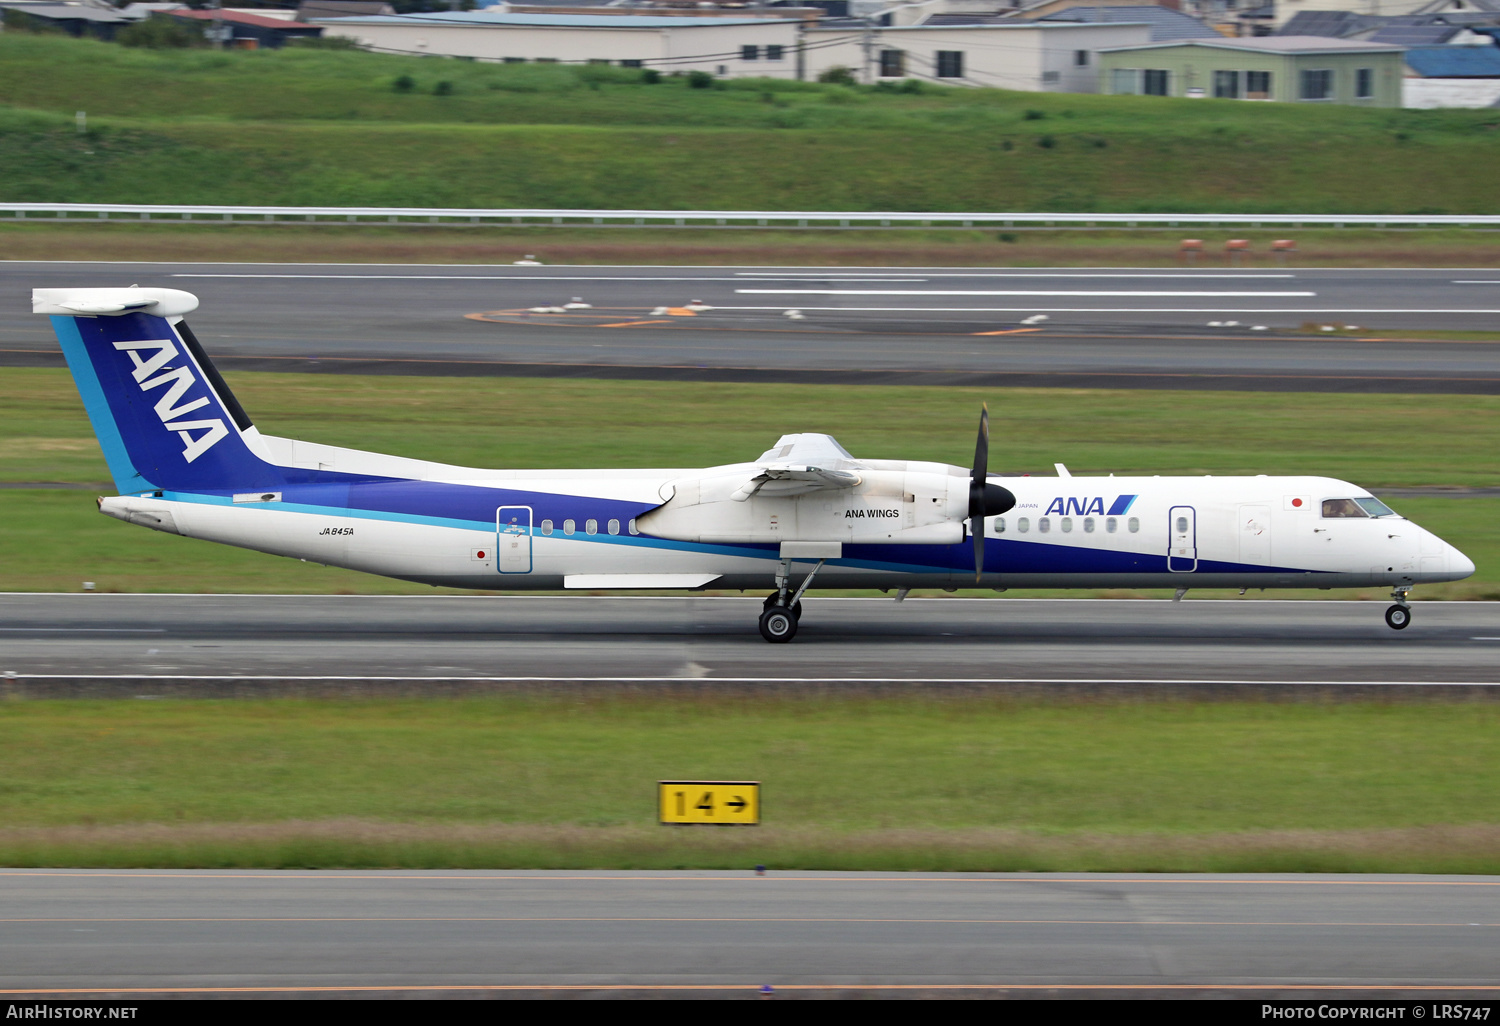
[
  {"x": 1189, "y": 328},
  {"x": 309, "y": 933},
  {"x": 251, "y": 645}
]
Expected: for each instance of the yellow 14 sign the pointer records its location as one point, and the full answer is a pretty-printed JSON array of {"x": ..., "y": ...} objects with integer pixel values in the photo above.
[{"x": 719, "y": 802}]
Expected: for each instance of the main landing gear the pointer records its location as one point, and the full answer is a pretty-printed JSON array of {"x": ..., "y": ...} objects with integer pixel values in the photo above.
[
  {"x": 783, "y": 609},
  {"x": 1399, "y": 615}
]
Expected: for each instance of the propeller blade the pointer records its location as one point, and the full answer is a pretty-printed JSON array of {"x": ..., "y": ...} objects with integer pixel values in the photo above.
[
  {"x": 977, "y": 481},
  {"x": 980, "y": 473},
  {"x": 977, "y": 530},
  {"x": 985, "y": 499}
]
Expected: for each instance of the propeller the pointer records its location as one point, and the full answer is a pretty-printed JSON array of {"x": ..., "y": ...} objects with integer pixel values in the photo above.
[{"x": 985, "y": 499}]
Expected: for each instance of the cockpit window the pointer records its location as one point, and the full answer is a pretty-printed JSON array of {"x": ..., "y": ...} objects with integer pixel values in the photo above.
[
  {"x": 1375, "y": 508},
  {"x": 1341, "y": 508}
]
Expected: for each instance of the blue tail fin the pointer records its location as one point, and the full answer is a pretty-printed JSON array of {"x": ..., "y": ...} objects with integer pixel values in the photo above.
[{"x": 164, "y": 417}]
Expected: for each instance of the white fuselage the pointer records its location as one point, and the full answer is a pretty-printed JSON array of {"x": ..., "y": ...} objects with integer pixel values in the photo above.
[{"x": 616, "y": 529}]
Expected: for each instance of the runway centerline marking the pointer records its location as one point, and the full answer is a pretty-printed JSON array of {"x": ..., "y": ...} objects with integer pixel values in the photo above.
[{"x": 1016, "y": 292}]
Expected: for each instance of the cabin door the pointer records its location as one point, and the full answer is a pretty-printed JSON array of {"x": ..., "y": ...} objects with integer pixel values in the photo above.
[
  {"x": 513, "y": 539},
  {"x": 1182, "y": 527}
]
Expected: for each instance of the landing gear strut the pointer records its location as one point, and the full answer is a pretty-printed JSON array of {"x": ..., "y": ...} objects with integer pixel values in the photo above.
[
  {"x": 1399, "y": 615},
  {"x": 783, "y": 608}
]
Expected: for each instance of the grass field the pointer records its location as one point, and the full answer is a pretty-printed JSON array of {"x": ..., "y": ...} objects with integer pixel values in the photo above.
[
  {"x": 55, "y": 539},
  {"x": 848, "y": 783},
  {"x": 315, "y": 127}
]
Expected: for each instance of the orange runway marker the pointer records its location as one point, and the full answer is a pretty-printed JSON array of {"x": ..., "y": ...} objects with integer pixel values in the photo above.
[{"x": 1008, "y": 331}]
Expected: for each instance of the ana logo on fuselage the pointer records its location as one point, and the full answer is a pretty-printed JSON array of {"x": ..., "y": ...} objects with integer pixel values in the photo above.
[
  {"x": 162, "y": 352},
  {"x": 1090, "y": 505}
]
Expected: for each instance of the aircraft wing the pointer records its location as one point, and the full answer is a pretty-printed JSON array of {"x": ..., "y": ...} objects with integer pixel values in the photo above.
[
  {"x": 820, "y": 450},
  {"x": 801, "y": 463}
]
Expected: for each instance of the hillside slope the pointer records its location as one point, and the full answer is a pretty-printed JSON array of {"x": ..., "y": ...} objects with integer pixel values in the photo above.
[{"x": 323, "y": 127}]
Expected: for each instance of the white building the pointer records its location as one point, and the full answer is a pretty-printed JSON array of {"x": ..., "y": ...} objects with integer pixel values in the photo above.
[
  {"x": 723, "y": 47},
  {"x": 1031, "y": 56}
]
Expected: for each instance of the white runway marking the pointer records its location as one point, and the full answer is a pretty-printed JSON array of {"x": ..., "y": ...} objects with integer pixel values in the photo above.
[
  {"x": 1108, "y": 309},
  {"x": 540, "y": 278},
  {"x": 1028, "y": 292},
  {"x": 1022, "y": 274},
  {"x": 91, "y": 630},
  {"x": 1478, "y": 281}
]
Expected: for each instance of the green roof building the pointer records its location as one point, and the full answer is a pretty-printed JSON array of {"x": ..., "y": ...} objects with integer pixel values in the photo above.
[{"x": 1289, "y": 69}]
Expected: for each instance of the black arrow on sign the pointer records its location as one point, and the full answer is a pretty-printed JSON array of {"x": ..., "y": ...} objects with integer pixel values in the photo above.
[{"x": 738, "y": 803}]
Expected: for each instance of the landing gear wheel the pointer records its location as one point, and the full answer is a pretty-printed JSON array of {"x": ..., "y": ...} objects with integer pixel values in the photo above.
[
  {"x": 778, "y": 625},
  {"x": 1397, "y": 617},
  {"x": 773, "y": 600}
]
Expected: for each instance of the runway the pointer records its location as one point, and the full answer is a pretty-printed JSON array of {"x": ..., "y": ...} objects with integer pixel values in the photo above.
[
  {"x": 81, "y": 933},
  {"x": 1122, "y": 327},
  {"x": 225, "y": 646}
]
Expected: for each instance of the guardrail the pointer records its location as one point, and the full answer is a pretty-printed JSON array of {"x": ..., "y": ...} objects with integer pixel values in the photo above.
[{"x": 819, "y": 219}]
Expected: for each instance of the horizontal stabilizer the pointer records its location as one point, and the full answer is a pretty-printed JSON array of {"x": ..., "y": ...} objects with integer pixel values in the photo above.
[{"x": 110, "y": 302}]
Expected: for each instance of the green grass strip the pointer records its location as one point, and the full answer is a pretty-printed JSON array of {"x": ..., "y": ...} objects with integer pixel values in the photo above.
[
  {"x": 305, "y": 127},
  {"x": 848, "y": 783}
]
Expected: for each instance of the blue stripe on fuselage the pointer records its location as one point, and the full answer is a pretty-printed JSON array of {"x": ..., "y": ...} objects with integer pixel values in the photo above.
[{"x": 472, "y": 507}]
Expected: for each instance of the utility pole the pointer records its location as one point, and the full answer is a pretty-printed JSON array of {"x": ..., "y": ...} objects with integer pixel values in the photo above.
[{"x": 867, "y": 47}]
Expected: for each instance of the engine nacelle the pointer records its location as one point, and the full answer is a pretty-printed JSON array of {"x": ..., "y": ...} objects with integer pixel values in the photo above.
[{"x": 924, "y": 504}]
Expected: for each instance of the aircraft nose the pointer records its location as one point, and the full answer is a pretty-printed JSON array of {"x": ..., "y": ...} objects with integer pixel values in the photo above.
[{"x": 1458, "y": 563}]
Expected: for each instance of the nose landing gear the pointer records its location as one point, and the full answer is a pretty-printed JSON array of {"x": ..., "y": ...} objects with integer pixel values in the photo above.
[{"x": 1397, "y": 617}]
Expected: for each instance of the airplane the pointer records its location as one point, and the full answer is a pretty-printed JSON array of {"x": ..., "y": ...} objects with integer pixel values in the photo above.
[{"x": 186, "y": 459}]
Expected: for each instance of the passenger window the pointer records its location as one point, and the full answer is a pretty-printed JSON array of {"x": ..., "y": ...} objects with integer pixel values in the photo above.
[
  {"x": 1067, "y": 525},
  {"x": 567, "y": 527},
  {"x": 1111, "y": 525},
  {"x": 1182, "y": 525},
  {"x": 632, "y": 526},
  {"x": 591, "y": 527},
  {"x": 546, "y": 527},
  {"x": 614, "y": 527},
  {"x": 999, "y": 525},
  {"x": 1338, "y": 509},
  {"x": 1023, "y": 524},
  {"x": 1088, "y": 525},
  {"x": 1133, "y": 525},
  {"x": 1044, "y": 524}
]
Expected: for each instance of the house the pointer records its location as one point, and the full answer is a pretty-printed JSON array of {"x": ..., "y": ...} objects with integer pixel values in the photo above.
[
  {"x": 1289, "y": 69},
  {"x": 1400, "y": 30},
  {"x": 1452, "y": 76},
  {"x": 1036, "y": 56},
  {"x": 309, "y": 10},
  {"x": 1166, "y": 23},
  {"x": 76, "y": 20},
  {"x": 245, "y": 31},
  {"x": 1287, "y": 10},
  {"x": 725, "y": 47}
]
